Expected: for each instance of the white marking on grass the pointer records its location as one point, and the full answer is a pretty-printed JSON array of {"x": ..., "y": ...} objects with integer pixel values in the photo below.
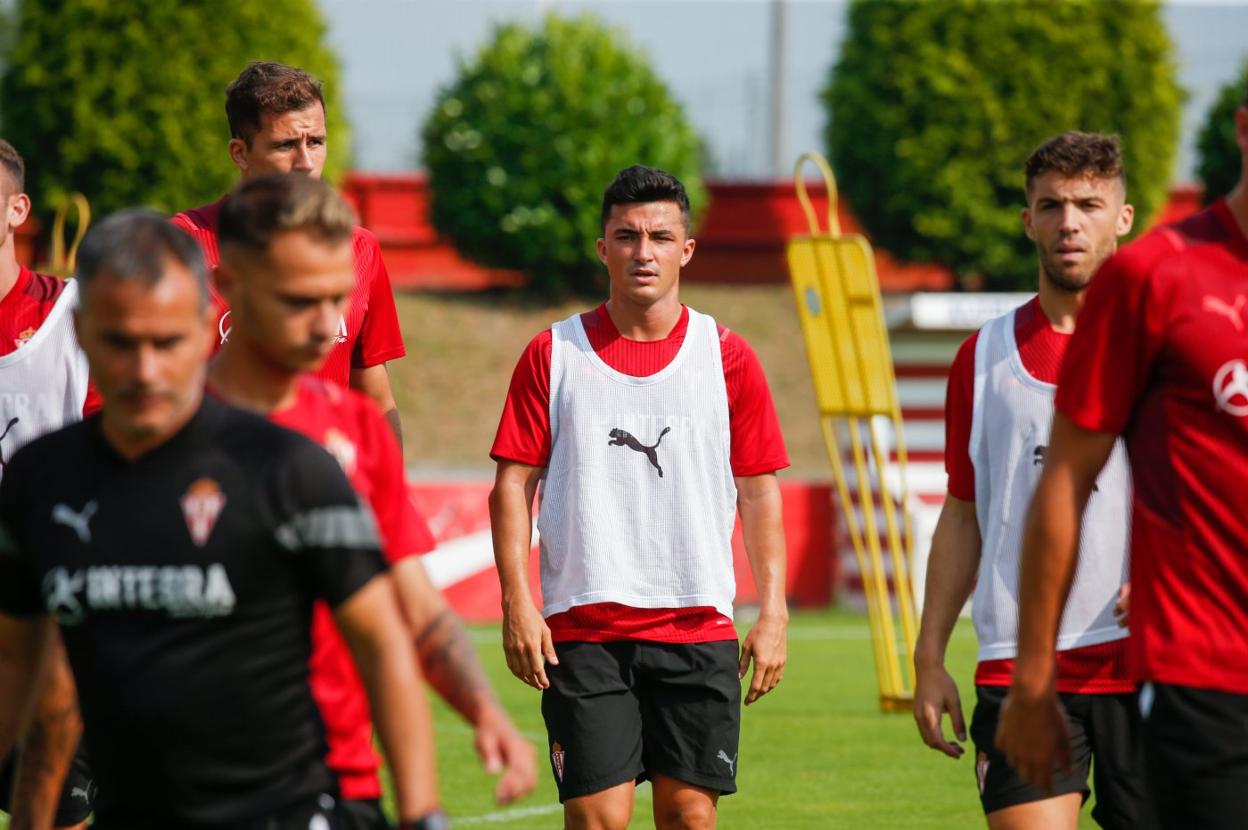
[{"x": 517, "y": 813}]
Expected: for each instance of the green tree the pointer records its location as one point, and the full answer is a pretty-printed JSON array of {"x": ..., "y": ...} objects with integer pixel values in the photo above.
[
  {"x": 520, "y": 146},
  {"x": 935, "y": 105},
  {"x": 1220, "y": 160},
  {"x": 125, "y": 101}
]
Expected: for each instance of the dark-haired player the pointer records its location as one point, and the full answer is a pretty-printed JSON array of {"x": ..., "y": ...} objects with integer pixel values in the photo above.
[
  {"x": 43, "y": 386},
  {"x": 998, "y": 409},
  {"x": 286, "y": 271},
  {"x": 276, "y": 115},
  {"x": 181, "y": 559},
  {"x": 1160, "y": 358},
  {"x": 650, "y": 426}
]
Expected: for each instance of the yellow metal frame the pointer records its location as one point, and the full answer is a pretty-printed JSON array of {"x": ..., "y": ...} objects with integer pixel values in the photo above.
[
  {"x": 62, "y": 260},
  {"x": 839, "y": 304}
]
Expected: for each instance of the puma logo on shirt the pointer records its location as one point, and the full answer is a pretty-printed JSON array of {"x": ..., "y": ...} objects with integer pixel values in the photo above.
[
  {"x": 12, "y": 423},
  {"x": 76, "y": 520},
  {"x": 620, "y": 438}
]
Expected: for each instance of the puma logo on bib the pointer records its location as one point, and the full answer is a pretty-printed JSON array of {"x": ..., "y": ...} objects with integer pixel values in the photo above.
[{"x": 620, "y": 438}]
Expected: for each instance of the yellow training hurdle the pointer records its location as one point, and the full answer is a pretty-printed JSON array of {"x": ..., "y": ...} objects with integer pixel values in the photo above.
[{"x": 838, "y": 301}]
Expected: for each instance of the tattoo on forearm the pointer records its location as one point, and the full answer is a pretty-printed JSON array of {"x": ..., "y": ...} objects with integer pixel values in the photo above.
[
  {"x": 44, "y": 758},
  {"x": 451, "y": 666}
]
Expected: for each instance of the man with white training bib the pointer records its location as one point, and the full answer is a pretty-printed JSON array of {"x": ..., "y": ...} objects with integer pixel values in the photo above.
[{"x": 650, "y": 427}]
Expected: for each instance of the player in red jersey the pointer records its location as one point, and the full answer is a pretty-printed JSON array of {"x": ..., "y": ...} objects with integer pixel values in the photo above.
[
  {"x": 276, "y": 115},
  {"x": 998, "y": 409},
  {"x": 43, "y": 386},
  {"x": 1160, "y": 358},
  {"x": 286, "y": 269},
  {"x": 663, "y": 428}
]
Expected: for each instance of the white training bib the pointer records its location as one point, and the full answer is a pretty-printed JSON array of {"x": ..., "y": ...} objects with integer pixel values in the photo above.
[
  {"x": 639, "y": 501},
  {"x": 43, "y": 384},
  {"x": 1010, "y": 425}
]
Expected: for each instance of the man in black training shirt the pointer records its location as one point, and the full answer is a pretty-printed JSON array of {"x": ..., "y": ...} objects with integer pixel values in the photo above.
[{"x": 179, "y": 544}]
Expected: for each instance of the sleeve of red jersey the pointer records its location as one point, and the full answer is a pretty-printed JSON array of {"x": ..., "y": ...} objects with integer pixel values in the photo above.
[
  {"x": 524, "y": 428},
  {"x": 380, "y": 337},
  {"x": 403, "y": 530},
  {"x": 93, "y": 401},
  {"x": 757, "y": 445},
  {"x": 959, "y": 407},
  {"x": 1120, "y": 328}
]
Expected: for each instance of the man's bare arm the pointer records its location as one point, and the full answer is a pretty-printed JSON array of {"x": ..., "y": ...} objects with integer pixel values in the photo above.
[
  {"x": 526, "y": 637},
  {"x": 762, "y": 527},
  {"x": 372, "y": 624},
  {"x": 1032, "y": 730},
  {"x": 951, "y": 569},
  {"x": 374, "y": 381},
  {"x": 449, "y": 662},
  {"x": 47, "y": 749}
]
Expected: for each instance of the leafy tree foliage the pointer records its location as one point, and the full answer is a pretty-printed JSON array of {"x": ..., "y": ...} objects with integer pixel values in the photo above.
[
  {"x": 520, "y": 146},
  {"x": 1219, "y": 155},
  {"x": 935, "y": 105},
  {"x": 125, "y": 101}
]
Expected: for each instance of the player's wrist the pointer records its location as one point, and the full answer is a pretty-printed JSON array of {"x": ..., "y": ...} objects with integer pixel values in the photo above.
[{"x": 433, "y": 820}]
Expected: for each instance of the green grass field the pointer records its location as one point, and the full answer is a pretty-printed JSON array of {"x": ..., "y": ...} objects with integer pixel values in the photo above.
[{"x": 816, "y": 753}]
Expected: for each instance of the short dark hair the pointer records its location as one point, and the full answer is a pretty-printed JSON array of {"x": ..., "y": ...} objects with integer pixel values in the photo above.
[
  {"x": 266, "y": 86},
  {"x": 11, "y": 162},
  {"x": 266, "y": 205},
  {"x": 645, "y": 184},
  {"x": 137, "y": 244},
  {"x": 1071, "y": 154}
]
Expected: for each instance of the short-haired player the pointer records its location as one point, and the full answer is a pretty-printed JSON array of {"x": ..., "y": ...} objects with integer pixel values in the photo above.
[
  {"x": 286, "y": 270},
  {"x": 998, "y": 409}
]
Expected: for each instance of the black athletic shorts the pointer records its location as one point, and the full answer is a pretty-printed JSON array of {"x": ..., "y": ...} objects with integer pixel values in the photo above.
[
  {"x": 625, "y": 711},
  {"x": 1104, "y": 740},
  {"x": 77, "y": 796},
  {"x": 362, "y": 815},
  {"x": 1196, "y": 743}
]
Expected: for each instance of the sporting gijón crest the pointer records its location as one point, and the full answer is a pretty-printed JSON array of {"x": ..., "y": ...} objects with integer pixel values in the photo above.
[
  {"x": 556, "y": 759},
  {"x": 201, "y": 506}
]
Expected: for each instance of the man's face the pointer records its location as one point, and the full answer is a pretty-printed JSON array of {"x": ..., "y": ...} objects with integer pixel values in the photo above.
[
  {"x": 147, "y": 346},
  {"x": 644, "y": 246},
  {"x": 289, "y": 304},
  {"x": 293, "y": 142},
  {"x": 1075, "y": 223}
]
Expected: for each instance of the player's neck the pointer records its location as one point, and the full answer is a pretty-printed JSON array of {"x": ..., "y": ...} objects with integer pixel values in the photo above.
[
  {"x": 645, "y": 322},
  {"x": 244, "y": 378},
  {"x": 9, "y": 269},
  {"x": 1060, "y": 306}
]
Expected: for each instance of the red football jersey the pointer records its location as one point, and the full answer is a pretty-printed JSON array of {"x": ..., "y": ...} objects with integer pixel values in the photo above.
[
  {"x": 22, "y": 312},
  {"x": 352, "y": 429},
  {"x": 368, "y": 334},
  {"x": 757, "y": 447},
  {"x": 1161, "y": 357},
  {"x": 1098, "y": 669}
]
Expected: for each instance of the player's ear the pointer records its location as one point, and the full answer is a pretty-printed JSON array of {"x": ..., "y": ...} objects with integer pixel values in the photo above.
[
  {"x": 1027, "y": 228},
  {"x": 18, "y": 211},
  {"x": 602, "y": 250},
  {"x": 687, "y": 254},
  {"x": 1126, "y": 219},
  {"x": 225, "y": 279},
  {"x": 238, "y": 155}
]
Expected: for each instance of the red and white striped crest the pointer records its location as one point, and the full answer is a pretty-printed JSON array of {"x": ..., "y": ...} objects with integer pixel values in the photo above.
[{"x": 201, "y": 505}]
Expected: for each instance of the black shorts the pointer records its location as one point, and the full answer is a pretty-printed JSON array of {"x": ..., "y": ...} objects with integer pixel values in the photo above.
[
  {"x": 77, "y": 796},
  {"x": 362, "y": 815},
  {"x": 1104, "y": 740},
  {"x": 625, "y": 711},
  {"x": 1196, "y": 743}
]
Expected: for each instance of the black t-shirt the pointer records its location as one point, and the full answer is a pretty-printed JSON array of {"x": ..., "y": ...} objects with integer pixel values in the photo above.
[{"x": 183, "y": 583}]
